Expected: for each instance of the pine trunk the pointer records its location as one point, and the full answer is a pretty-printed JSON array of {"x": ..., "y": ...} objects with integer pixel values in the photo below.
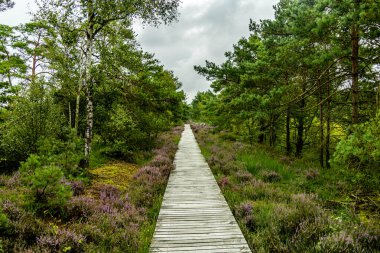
[
  {"x": 301, "y": 123},
  {"x": 328, "y": 120},
  {"x": 288, "y": 144},
  {"x": 70, "y": 120},
  {"x": 272, "y": 136},
  {"x": 250, "y": 133},
  {"x": 300, "y": 141},
  {"x": 378, "y": 97},
  {"x": 34, "y": 60},
  {"x": 321, "y": 126},
  {"x": 355, "y": 73},
  {"x": 261, "y": 137},
  {"x": 9, "y": 72}
]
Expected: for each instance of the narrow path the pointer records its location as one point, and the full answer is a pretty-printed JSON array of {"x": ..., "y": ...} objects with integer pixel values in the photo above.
[{"x": 194, "y": 216}]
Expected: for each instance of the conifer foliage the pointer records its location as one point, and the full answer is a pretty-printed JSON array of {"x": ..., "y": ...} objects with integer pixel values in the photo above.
[{"x": 301, "y": 81}]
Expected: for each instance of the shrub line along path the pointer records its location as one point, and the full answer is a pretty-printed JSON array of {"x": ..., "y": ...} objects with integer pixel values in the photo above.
[{"x": 194, "y": 215}]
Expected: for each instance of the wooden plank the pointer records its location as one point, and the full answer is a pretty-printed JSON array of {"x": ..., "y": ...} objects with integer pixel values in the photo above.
[
  {"x": 205, "y": 248},
  {"x": 194, "y": 216}
]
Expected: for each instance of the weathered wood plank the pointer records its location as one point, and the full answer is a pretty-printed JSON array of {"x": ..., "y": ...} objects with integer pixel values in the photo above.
[{"x": 194, "y": 216}]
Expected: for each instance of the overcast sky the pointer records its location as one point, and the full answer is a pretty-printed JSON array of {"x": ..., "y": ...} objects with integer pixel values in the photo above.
[{"x": 206, "y": 29}]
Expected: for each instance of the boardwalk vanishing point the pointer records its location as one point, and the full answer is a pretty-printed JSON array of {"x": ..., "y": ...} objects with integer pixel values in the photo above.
[{"x": 194, "y": 215}]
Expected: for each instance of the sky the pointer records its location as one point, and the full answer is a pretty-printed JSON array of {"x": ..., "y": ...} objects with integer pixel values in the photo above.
[{"x": 205, "y": 30}]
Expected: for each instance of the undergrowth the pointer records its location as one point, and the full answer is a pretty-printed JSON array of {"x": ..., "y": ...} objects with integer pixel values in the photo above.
[
  {"x": 115, "y": 211},
  {"x": 288, "y": 205}
]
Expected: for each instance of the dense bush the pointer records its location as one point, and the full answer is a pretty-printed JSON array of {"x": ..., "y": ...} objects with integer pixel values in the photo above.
[
  {"x": 81, "y": 207},
  {"x": 64, "y": 153},
  {"x": 30, "y": 119},
  {"x": 362, "y": 146},
  {"x": 4, "y": 222},
  {"x": 46, "y": 190},
  {"x": 244, "y": 212}
]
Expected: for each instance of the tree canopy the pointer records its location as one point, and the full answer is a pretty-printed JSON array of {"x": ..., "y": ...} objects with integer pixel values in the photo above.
[{"x": 75, "y": 73}]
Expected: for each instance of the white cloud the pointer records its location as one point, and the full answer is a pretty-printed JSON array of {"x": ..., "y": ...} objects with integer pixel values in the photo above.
[
  {"x": 194, "y": 31},
  {"x": 196, "y": 3},
  {"x": 19, "y": 14}
]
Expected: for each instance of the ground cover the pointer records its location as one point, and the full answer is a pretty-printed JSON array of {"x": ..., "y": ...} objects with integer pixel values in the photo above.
[
  {"x": 287, "y": 205},
  {"x": 113, "y": 210}
]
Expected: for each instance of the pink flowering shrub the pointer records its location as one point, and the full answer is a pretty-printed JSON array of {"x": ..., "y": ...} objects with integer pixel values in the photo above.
[
  {"x": 271, "y": 176},
  {"x": 100, "y": 218},
  {"x": 312, "y": 174},
  {"x": 244, "y": 212},
  {"x": 223, "y": 182},
  {"x": 61, "y": 240}
]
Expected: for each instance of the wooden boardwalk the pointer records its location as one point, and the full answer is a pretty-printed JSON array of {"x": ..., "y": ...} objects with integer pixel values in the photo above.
[{"x": 194, "y": 216}]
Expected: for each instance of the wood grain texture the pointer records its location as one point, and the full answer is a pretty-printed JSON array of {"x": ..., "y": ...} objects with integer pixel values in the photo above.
[{"x": 194, "y": 215}]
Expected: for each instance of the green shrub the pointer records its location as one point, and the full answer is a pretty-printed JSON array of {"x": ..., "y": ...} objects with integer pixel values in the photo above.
[
  {"x": 32, "y": 117},
  {"x": 46, "y": 190},
  {"x": 362, "y": 146},
  {"x": 4, "y": 223},
  {"x": 65, "y": 153},
  {"x": 29, "y": 166}
]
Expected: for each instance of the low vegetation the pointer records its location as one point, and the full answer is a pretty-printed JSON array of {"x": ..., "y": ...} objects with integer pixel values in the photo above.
[
  {"x": 283, "y": 204},
  {"x": 41, "y": 210}
]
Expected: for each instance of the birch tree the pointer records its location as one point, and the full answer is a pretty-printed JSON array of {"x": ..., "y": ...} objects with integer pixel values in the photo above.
[{"x": 88, "y": 18}]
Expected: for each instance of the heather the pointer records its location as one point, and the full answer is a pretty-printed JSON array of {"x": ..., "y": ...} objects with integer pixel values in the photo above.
[
  {"x": 113, "y": 209},
  {"x": 285, "y": 204}
]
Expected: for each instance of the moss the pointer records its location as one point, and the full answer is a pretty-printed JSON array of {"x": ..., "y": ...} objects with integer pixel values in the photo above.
[{"x": 118, "y": 174}]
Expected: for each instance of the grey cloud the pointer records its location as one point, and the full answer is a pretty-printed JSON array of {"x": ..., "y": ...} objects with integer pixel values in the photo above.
[{"x": 205, "y": 31}]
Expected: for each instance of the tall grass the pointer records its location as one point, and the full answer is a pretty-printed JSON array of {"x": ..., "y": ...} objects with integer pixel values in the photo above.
[{"x": 258, "y": 162}]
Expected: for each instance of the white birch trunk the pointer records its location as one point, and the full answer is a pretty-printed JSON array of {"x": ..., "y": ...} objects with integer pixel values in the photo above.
[{"x": 90, "y": 106}]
